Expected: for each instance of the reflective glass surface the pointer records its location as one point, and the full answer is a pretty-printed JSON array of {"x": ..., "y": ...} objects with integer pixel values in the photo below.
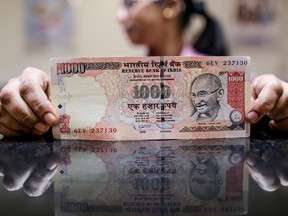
[{"x": 240, "y": 176}]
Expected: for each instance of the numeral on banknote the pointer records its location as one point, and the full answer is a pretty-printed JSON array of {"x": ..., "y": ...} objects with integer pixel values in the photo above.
[
  {"x": 154, "y": 92},
  {"x": 228, "y": 63},
  {"x": 71, "y": 68},
  {"x": 155, "y": 184}
]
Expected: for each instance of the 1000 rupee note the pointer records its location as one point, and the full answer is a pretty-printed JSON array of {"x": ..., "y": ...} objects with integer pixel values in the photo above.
[
  {"x": 151, "y": 97},
  {"x": 174, "y": 177}
]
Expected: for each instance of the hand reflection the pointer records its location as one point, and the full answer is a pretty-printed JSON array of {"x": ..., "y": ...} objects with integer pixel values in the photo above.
[
  {"x": 28, "y": 166},
  {"x": 269, "y": 169}
]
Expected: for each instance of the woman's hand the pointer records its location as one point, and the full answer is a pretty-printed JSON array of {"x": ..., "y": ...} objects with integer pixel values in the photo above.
[
  {"x": 269, "y": 96},
  {"x": 25, "y": 105}
]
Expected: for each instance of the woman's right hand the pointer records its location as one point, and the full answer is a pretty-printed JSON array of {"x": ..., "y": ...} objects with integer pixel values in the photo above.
[
  {"x": 25, "y": 105},
  {"x": 269, "y": 96}
]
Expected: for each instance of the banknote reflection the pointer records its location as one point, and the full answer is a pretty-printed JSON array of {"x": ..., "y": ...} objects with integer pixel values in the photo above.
[
  {"x": 205, "y": 182},
  {"x": 175, "y": 177}
]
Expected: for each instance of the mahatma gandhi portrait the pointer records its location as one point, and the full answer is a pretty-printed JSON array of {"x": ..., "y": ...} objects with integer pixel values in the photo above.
[{"x": 206, "y": 94}]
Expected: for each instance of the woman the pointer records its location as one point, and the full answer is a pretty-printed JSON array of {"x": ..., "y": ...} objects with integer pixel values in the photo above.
[{"x": 160, "y": 25}]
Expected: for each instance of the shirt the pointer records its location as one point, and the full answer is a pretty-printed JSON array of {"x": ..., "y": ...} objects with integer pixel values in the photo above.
[{"x": 188, "y": 50}]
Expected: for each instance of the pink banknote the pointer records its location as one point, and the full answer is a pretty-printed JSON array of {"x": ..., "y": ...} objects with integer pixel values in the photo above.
[
  {"x": 158, "y": 177},
  {"x": 147, "y": 98}
]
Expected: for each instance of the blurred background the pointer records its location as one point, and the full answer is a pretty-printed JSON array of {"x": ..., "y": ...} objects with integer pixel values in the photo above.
[{"x": 33, "y": 31}]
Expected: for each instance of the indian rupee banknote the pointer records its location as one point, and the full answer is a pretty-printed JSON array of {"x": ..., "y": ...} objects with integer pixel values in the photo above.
[
  {"x": 163, "y": 177},
  {"x": 151, "y": 97}
]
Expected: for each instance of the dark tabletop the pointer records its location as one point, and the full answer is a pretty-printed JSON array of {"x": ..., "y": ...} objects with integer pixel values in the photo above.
[{"x": 239, "y": 176}]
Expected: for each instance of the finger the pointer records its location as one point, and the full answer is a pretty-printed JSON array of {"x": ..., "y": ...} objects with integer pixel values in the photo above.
[
  {"x": 281, "y": 170},
  {"x": 12, "y": 101},
  {"x": 10, "y": 124},
  {"x": 2, "y": 169},
  {"x": 10, "y": 127},
  {"x": 25, "y": 99},
  {"x": 35, "y": 90},
  {"x": 35, "y": 190},
  {"x": 8, "y": 132},
  {"x": 271, "y": 155},
  {"x": 40, "y": 180},
  {"x": 279, "y": 164},
  {"x": 280, "y": 110},
  {"x": 280, "y": 125},
  {"x": 262, "y": 173},
  {"x": 265, "y": 94},
  {"x": 17, "y": 175}
]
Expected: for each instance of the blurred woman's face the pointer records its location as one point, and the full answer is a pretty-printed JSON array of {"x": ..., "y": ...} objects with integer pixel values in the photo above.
[{"x": 142, "y": 20}]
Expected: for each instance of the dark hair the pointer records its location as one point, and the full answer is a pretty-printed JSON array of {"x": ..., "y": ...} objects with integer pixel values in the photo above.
[
  {"x": 211, "y": 41},
  {"x": 212, "y": 78}
]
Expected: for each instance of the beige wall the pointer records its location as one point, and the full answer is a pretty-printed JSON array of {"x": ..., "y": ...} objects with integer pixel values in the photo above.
[
  {"x": 266, "y": 58},
  {"x": 97, "y": 33}
]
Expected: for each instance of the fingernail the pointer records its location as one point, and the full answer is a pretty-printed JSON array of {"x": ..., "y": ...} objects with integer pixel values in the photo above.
[
  {"x": 49, "y": 118},
  {"x": 253, "y": 116},
  {"x": 1, "y": 171},
  {"x": 252, "y": 160},
  {"x": 40, "y": 127},
  {"x": 51, "y": 165}
]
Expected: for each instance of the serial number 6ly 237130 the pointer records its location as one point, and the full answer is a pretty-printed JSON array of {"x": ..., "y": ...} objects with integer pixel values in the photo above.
[{"x": 95, "y": 130}]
